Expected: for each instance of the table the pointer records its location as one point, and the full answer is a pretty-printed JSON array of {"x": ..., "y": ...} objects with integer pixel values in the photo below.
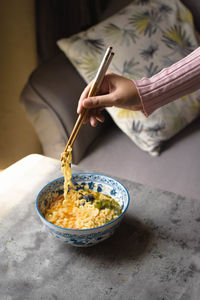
[{"x": 155, "y": 255}]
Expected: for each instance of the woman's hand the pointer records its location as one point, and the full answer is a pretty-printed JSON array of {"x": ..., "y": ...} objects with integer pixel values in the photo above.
[{"x": 115, "y": 91}]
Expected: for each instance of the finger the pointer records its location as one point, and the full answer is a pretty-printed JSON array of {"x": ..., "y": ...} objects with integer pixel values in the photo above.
[
  {"x": 98, "y": 101},
  {"x": 86, "y": 90},
  {"x": 93, "y": 115},
  {"x": 83, "y": 96},
  {"x": 86, "y": 120},
  {"x": 88, "y": 115},
  {"x": 93, "y": 121},
  {"x": 100, "y": 117}
]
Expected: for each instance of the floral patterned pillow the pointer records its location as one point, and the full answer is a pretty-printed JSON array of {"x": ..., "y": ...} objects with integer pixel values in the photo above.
[{"x": 147, "y": 35}]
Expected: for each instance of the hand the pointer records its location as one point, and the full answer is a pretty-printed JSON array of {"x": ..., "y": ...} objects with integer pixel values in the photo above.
[{"x": 115, "y": 91}]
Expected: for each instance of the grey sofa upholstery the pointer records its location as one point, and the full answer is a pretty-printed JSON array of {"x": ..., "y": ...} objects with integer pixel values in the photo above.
[{"x": 50, "y": 99}]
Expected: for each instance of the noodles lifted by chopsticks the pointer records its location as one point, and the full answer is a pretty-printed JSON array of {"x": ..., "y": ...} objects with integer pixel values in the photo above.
[{"x": 66, "y": 158}]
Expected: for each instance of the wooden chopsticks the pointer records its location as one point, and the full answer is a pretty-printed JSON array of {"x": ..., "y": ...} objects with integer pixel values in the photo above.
[{"x": 93, "y": 91}]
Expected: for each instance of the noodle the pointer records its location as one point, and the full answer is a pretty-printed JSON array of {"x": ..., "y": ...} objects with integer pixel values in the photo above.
[{"x": 66, "y": 158}]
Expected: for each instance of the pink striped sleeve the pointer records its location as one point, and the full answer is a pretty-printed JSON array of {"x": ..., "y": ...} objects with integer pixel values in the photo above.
[{"x": 171, "y": 83}]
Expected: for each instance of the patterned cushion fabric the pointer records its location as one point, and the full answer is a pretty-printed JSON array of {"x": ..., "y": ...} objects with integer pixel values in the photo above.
[{"x": 147, "y": 35}]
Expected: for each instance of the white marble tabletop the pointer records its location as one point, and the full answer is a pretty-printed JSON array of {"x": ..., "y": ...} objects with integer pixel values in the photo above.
[{"x": 155, "y": 255}]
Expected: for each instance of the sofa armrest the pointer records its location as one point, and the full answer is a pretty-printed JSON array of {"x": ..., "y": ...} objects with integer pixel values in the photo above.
[{"x": 50, "y": 99}]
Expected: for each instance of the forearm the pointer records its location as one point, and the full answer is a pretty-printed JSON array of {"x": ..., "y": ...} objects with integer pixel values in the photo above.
[{"x": 170, "y": 84}]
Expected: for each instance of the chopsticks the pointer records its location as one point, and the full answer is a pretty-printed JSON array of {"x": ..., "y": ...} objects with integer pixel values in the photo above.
[{"x": 92, "y": 92}]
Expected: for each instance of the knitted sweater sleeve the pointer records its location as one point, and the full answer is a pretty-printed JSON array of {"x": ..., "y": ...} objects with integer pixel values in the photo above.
[{"x": 171, "y": 83}]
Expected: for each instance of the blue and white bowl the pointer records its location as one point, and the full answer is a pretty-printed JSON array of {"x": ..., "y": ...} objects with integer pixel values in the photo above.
[{"x": 96, "y": 182}]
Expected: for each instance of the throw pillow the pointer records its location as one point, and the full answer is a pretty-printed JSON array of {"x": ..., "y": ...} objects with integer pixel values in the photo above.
[{"x": 147, "y": 35}]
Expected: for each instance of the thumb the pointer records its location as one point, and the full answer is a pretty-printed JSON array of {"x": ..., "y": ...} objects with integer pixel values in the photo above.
[{"x": 98, "y": 101}]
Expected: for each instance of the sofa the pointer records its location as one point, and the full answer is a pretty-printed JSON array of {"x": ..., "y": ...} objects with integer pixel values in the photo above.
[{"x": 50, "y": 99}]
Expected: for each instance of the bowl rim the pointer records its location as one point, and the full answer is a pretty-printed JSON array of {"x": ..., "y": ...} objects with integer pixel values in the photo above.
[{"x": 83, "y": 229}]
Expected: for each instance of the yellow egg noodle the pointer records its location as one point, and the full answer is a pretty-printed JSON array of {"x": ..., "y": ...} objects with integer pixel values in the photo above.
[
  {"x": 82, "y": 208},
  {"x": 66, "y": 158}
]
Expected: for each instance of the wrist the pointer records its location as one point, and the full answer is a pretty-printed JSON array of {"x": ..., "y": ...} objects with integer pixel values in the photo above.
[{"x": 137, "y": 103}]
